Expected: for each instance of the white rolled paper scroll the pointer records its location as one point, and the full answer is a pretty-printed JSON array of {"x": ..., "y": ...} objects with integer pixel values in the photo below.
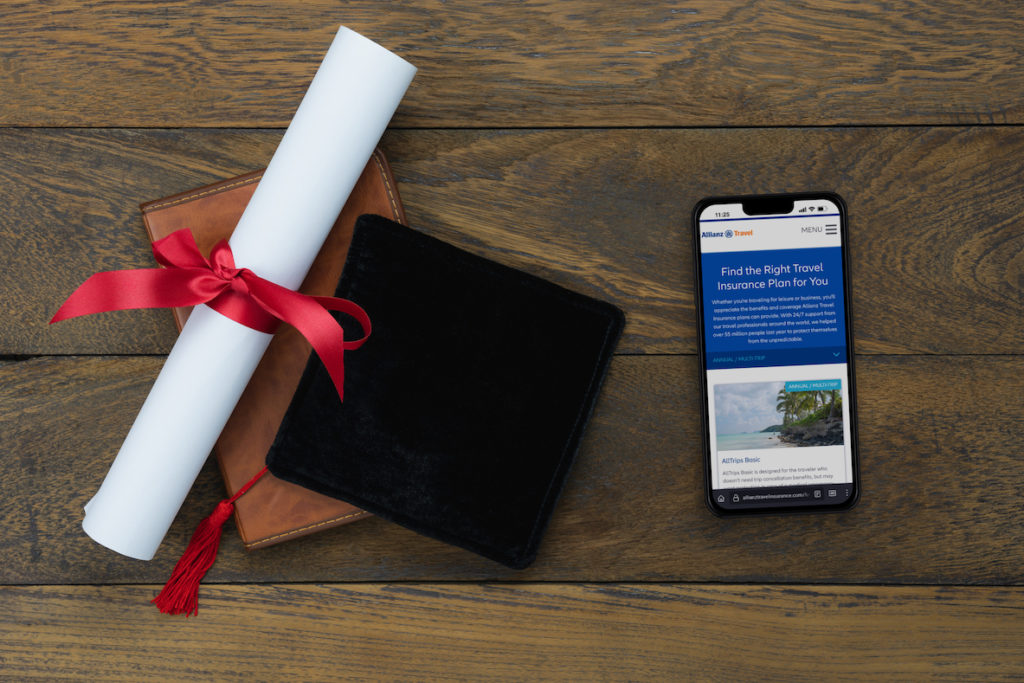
[{"x": 328, "y": 143}]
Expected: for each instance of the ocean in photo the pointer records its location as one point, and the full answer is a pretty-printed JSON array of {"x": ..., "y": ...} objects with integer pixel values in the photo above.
[{"x": 740, "y": 442}]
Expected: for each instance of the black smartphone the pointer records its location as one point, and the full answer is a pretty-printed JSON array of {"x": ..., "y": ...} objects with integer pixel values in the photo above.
[{"x": 776, "y": 353}]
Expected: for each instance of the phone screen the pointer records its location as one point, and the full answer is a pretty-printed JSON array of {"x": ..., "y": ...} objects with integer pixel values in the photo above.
[{"x": 776, "y": 353}]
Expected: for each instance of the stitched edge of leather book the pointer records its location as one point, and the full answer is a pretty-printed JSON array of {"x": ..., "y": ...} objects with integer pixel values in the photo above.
[{"x": 273, "y": 510}]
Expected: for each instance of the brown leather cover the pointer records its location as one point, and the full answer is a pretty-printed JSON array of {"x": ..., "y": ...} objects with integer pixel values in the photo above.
[{"x": 273, "y": 510}]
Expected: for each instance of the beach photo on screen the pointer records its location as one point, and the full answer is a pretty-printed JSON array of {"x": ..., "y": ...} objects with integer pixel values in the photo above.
[{"x": 778, "y": 414}]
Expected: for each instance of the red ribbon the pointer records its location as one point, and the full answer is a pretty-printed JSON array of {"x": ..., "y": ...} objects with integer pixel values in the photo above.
[{"x": 237, "y": 293}]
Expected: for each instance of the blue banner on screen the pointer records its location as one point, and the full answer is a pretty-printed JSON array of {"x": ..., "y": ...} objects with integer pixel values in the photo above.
[
  {"x": 815, "y": 385},
  {"x": 777, "y": 307}
]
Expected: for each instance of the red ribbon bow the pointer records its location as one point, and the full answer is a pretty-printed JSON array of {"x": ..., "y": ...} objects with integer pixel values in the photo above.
[{"x": 237, "y": 293}]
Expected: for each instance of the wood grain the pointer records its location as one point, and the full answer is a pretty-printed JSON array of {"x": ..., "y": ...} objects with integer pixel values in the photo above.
[
  {"x": 936, "y": 233},
  {"x": 941, "y": 473},
  {"x": 517, "y": 632},
  {"x": 544, "y": 63},
  {"x": 569, "y": 138}
]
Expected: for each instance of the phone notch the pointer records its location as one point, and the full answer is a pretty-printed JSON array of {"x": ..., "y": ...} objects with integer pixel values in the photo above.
[{"x": 764, "y": 206}]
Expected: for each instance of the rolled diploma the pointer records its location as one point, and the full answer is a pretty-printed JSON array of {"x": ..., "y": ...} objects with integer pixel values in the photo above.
[{"x": 328, "y": 143}]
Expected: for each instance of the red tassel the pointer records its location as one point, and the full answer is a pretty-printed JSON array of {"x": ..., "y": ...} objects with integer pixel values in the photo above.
[{"x": 181, "y": 592}]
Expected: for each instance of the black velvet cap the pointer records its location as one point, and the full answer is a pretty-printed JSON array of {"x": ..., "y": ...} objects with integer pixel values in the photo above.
[{"x": 465, "y": 408}]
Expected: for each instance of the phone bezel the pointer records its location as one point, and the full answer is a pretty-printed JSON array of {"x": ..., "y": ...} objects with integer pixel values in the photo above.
[{"x": 701, "y": 351}]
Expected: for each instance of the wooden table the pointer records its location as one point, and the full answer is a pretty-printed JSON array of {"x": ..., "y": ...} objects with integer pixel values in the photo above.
[{"x": 569, "y": 139}]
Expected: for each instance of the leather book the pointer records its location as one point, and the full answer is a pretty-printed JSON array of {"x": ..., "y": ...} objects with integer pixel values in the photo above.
[{"x": 273, "y": 510}]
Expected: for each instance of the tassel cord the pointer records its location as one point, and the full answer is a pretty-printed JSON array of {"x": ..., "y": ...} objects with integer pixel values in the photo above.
[{"x": 180, "y": 594}]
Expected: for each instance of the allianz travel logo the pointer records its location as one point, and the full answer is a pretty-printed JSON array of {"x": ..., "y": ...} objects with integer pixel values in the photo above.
[{"x": 727, "y": 233}]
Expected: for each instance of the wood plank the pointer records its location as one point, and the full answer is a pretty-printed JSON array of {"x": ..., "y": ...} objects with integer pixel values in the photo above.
[
  {"x": 941, "y": 473},
  {"x": 547, "y": 63},
  {"x": 937, "y": 240},
  {"x": 517, "y": 632}
]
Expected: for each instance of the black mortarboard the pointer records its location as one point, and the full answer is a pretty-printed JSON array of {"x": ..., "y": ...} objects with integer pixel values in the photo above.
[{"x": 465, "y": 408}]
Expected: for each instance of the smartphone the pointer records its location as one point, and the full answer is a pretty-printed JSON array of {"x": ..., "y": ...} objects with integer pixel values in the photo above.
[{"x": 776, "y": 353}]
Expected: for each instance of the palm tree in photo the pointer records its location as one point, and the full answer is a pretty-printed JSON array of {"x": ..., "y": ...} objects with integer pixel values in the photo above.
[
  {"x": 835, "y": 403},
  {"x": 785, "y": 403},
  {"x": 807, "y": 403}
]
